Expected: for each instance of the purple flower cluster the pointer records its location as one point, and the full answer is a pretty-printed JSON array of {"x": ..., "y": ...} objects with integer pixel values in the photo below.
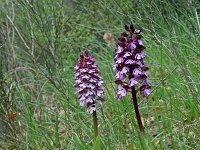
[
  {"x": 129, "y": 62},
  {"x": 88, "y": 82}
]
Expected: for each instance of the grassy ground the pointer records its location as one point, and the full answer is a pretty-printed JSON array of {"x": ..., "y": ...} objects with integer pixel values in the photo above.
[{"x": 40, "y": 42}]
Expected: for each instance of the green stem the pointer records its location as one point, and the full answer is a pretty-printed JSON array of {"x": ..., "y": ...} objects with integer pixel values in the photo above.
[{"x": 95, "y": 125}]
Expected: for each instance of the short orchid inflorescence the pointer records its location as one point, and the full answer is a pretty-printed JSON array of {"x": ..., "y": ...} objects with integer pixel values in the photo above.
[
  {"x": 129, "y": 62},
  {"x": 88, "y": 82}
]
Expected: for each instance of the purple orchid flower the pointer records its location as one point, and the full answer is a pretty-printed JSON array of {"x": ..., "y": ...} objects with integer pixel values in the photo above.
[
  {"x": 129, "y": 63},
  {"x": 131, "y": 72},
  {"x": 88, "y": 82}
]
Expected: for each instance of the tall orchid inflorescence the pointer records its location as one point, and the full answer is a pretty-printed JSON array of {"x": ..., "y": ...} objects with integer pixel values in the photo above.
[
  {"x": 88, "y": 82},
  {"x": 89, "y": 86},
  {"x": 129, "y": 62}
]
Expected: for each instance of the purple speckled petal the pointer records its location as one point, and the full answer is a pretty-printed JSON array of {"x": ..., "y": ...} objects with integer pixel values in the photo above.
[
  {"x": 124, "y": 70},
  {"x": 100, "y": 93},
  {"x": 140, "y": 42},
  {"x": 120, "y": 60},
  {"x": 114, "y": 67},
  {"x": 140, "y": 56},
  {"x": 127, "y": 54},
  {"x": 132, "y": 46},
  {"x": 85, "y": 77},
  {"x": 92, "y": 80},
  {"x": 76, "y": 67},
  {"x": 89, "y": 99},
  {"x": 91, "y": 108},
  {"x": 119, "y": 49},
  {"x": 137, "y": 71},
  {"x": 121, "y": 91},
  {"x": 137, "y": 31},
  {"x": 82, "y": 103},
  {"x": 132, "y": 82},
  {"x": 78, "y": 81},
  {"x": 120, "y": 76},
  {"x": 130, "y": 61},
  {"x": 100, "y": 82},
  {"x": 146, "y": 92}
]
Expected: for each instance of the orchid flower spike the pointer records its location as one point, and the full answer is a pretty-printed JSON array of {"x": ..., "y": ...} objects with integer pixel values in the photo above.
[
  {"x": 88, "y": 82},
  {"x": 129, "y": 63}
]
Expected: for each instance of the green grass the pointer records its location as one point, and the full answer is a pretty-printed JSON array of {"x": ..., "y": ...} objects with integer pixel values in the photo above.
[{"x": 39, "y": 45}]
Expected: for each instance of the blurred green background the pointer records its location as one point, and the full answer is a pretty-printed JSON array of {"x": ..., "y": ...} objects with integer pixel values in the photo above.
[{"x": 40, "y": 41}]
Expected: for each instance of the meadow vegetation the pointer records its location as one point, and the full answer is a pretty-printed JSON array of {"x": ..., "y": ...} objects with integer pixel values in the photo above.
[{"x": 40, "y": 41}]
